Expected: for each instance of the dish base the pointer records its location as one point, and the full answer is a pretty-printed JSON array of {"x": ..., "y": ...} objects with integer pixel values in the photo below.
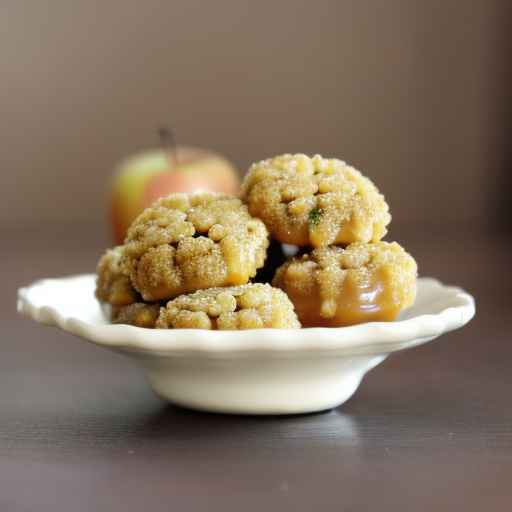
[{"x": 259, "y": 386}]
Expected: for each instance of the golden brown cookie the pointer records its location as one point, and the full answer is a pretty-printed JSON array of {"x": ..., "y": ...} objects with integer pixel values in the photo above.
[
  {"x": 140, "y": 314},
  {"x": 184, "y": 243},
  {"x": 315, "y": 201},
  {"x": 335, "y": 287},
  {"x": 250, "y": 306},
  {"x": 112, "y": 286}
]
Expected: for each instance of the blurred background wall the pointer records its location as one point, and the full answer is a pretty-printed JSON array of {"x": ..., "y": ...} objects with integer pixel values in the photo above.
[{"x": 411, "y": 92}]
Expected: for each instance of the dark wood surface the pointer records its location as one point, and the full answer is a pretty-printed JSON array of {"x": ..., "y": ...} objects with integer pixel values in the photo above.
[{"x": 429, "y": 429}]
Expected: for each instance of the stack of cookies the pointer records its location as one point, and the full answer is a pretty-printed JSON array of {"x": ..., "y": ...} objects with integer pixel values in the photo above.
[
  {"x": 345, "y": 274},
  {"x": 188, "y": 260}
]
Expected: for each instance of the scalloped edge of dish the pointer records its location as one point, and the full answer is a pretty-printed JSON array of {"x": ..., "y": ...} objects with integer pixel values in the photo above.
[{"x": 458, "y": 307}]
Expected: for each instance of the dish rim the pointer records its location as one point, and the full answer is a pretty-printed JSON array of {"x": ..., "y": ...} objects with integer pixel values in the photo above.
[{"x": 372, "y": 337}]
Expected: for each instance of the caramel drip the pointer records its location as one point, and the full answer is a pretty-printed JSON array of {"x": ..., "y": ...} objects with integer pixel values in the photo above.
[{"x": 356, "y": 303}]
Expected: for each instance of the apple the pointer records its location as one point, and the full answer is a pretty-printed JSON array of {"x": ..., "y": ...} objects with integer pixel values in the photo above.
[{"x": 145, "y": 177}]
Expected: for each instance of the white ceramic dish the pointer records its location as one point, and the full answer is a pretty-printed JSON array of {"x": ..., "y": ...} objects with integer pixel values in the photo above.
[{"x": 265, "y": 371}]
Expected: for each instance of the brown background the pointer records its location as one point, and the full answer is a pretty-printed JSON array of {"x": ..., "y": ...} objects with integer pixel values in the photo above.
[{"x": 409, "y": 91}]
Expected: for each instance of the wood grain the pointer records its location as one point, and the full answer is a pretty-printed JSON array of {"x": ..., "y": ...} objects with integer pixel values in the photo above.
[{"x": 429, "y": 429}]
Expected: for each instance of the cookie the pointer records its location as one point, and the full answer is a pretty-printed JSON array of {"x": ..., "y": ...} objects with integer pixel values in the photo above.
[
  {"x": 335, "y": 287},
  {"x": 250, "y": 306},
  {"x": 315, "y": 201},
  {"x": 184, "y": 243}
]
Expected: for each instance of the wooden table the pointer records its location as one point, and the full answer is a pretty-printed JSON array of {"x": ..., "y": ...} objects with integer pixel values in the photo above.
[{"x": 429, "y": 429}]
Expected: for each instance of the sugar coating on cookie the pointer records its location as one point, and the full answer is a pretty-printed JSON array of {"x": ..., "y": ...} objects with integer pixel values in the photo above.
[
  {"x": 112, "y": 286},
  {"x": 250, "y": 306},
  {"x": 315, "y": 201},
  {"x": 139, "y": 314},
  {"x": 334, "y": 287},
  {"x": 188, "y": 242}
]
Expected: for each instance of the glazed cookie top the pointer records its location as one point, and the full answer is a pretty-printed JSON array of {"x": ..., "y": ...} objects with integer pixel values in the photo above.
[
  {"x": 112, "y": 286},
  {"x": 250, "y": 306},
  {"x": 315, "y": 201},
  {"x": 335, "y": 276},
  {"x": 186, "y": 242}
]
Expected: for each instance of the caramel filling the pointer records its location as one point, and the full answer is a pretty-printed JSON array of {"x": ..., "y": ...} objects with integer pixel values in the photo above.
[
  {"x": 355, "y": 303},
  {"x": 239, "y": 261}
]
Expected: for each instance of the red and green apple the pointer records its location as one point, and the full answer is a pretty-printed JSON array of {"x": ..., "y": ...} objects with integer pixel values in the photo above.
[{"x": 145, "y": 177}]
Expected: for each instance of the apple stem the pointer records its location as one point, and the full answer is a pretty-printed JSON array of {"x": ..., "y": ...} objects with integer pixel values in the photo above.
[{"x": 168, "y": 142}]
